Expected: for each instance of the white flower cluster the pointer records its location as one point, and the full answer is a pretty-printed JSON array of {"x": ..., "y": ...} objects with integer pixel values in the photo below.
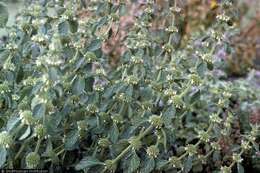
[
  {"x": 137, "y": 60},
  {"x": 214, "y": 118},
  {"x": 40, "y": 38},
  {"x": 11, "y": 47},
  {"x": 9, "y": 66},
  {"x": 223, "y": 17}
]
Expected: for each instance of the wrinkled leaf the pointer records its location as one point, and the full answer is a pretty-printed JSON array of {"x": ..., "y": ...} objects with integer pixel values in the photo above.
[
  {"x": 133, "y": 163},
  {"x": 114, "y": 133},
  {"x": 188, "y": 164},
  {"x": 71, "y": 139},
  {"x": 87, "y": 162},
  {"x": 39, "y": 110},
  {"x": 12, "y": 122},
  {"x": 63, "y": 28},
  {"x": 94, "y": 45},
  {"x": 148, "y": 165},
  {"x": 78, "y": 86}
]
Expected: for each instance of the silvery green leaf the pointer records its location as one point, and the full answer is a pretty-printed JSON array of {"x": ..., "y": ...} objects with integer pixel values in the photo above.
[
  {"x": 26, "y": 133},
  {"x": 160, "y": 164},
  {"x": 240, "y": 168},
  {"x": 78, "y": 85},
  {"x": 12, "y": 122},
  {"x": 148, "y": 165},
  {"x": 114, "y": 133},
  {"x": 133, "y": 163},
  {"x": 63, "y": 28},
  {"x": 39, "y": 110},
  {"x": 187, "y": 164},
  {"x": 71, "y": 139},
  {"x": 3, "y": 155},
  {"x": 88, "y": 162},
  {"x": 94, "y": 45},
  {"x": 3, "y": 15}
]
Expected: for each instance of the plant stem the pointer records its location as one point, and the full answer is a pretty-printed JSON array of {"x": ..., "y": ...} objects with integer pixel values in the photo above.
[
  {"x": 122, "y": 154},
  {"x": 20, "y": 150},
  {"x": 38, "y": 145},
  {"x": 127, "y": 149},
  {"x": 186, "y": 90}
]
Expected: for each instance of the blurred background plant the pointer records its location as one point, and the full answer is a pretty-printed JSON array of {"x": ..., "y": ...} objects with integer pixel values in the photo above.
[{"x": 197, "y": 17}]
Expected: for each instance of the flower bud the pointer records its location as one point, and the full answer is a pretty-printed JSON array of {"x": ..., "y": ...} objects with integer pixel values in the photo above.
[
  {"x": 92, "y": 109},
  {"x": 110, "y": 165},
  {"x": 215, "y": 146},
  {"x": 175, "y": 162},
  {"x": 225, "y": 169},
  {"x": 103, "y": 142},
  {"x": 202, "y": 158},
  {"x": 171, "y": 29},
  {"x": 135, "y": 143},
  {"x": 254, "y": 130},
  {"x": 191, "y": 149},
  {"x": 82, "y": 125},
  {"x": 245, "y": 145},
  {"x": 195, "y": 79},
  {"x": 27, "y": 117},
  {"x": 4, "y": 88},
  {"x": 40, "y": 131},
  {"x": 204, "y": 136},
  {"x": 237, "y": 158},
  {"x": 131, "y": 80},
  {"x": 175, "y": 9},
  {"x": 152, "y": 151},
  {"x": 90, "y": 57},
  {"x": 32, "y": 160},
  {"x": 214, "y": 118},
  {"x": 168, "y": 48},
  {"x": 5, "y": 139},
  {"x": 177, "y": 101},
  {"x": 98, "y": 88},
  {"x": 117, "y": 118},
  {"x": 156, "y": 121},
  {"x": 221, "y": 103},
  {"x": 137, "y": 60}
]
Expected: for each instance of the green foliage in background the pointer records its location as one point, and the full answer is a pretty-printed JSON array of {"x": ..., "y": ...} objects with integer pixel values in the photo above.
[
  {"x": 63, "y": 108},
  {"x": 3, "y": 15}
]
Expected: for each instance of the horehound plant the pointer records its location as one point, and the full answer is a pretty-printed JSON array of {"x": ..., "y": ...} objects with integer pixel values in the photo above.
[{"x": 162, "y": 109}]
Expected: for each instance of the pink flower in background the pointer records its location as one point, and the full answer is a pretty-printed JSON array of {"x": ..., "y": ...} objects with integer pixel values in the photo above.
[
  {"x": 141, "y": 1},
  {"x": 257, "y": 73},
  {"x": 220, "y": 54}
]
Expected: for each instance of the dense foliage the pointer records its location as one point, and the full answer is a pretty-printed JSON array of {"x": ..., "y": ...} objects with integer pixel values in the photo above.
[{"x": 162, "y": 108}]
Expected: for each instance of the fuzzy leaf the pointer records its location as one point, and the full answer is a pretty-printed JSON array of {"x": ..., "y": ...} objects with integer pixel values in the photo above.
[
  {"x": 78, "y": 86},
  {"x": 3, "y": 15},
  {"x": 88, "y": 162},
  {"x": 94, "y": 45},
  {"x": 71, "y": 139},
  {"x": 114, "y": 133},
  {"x": 134, "y": 163},
  {"x": 39, "y": 110},
  {"x": 188, "y": 164},
  {"x": 149, "y": 165},
  {"x": 63, "y": 28},
  {"x": 240, "y": 168},
  {"x": 26, "y": 133},
  {"x": 12, "y": 122},
  {"x": 3, "y": 154}
]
